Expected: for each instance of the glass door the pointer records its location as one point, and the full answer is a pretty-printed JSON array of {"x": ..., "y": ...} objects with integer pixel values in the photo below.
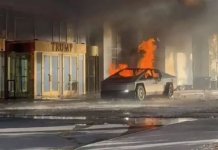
[
  {"x": 17, "y": 75},
  {"x": 54, "y": 73},
  {"x": 81, "y": 74},
  {"x": 21, "y": 76},
  {"x": 67, "y": 74},
  {"x": 70, "y": 84},
  {"x": 10, "y": 88},
  {"x": 2, "y": 74},
  {"x": 51, "y": 76},
  {"x": 47, "y": 74}
]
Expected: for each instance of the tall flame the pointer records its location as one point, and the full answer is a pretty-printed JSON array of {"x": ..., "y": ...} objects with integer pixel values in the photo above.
[
  {"x": 114, "y": 69},
  {"x": 147, "y": 48}
]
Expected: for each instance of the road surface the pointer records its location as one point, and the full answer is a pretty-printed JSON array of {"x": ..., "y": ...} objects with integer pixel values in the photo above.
[
  {"x": 27, "y": 134},
  {"x": 193, "y": 135}
]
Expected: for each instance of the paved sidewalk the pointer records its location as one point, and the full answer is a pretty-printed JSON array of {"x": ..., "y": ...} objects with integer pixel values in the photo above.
[
  {"x": 94, "y": 101},
  {"x": 196, "y": 94},
  {"x": 192, "y": 103}
]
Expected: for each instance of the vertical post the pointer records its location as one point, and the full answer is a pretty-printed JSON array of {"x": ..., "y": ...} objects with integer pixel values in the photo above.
[
  {"x": 15, "y": 28},
  {"x": 6, "y": 25},
  {"x": 6, "y": 76},
  {"x": 52, "y": 31},
  {"x": 107, "y": 48},
  {"x": 66, "y": 32},
  {"x": 60, "y": 31},
  {"x": 34, "y": 28}
]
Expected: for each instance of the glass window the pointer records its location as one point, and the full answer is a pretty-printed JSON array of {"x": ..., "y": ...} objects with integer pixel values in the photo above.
[
  {"x": 39, "y": 74},
  {"x": 55, "y": 73},
  {"x": 128, "y": 73},
  {"x": 43, "y": 29},
  {"x": 56, "y": 32},
  {"x": 81, "y": 74},
  {"x": 47, "y": 76},
  {"x": 63, "y": 32},
  {"x": 24, "y": 72},
  {"x": 156, "y": 74},
  {"x": 74, "y": 68},
  {"x": 24, "y": 28},
  {"x": 67, "y": 73},
  {"x": 1, "y": 75},
  {"x": 148, "y": 74},
  {"x": 74, "y": 73}
]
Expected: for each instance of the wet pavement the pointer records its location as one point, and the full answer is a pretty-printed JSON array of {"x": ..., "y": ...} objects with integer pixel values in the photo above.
[
  {"x": 54, "y": 134},
  {"x": 93, "y": 110},
  {"x": 98, "y": 111},
  {"x": 199, "y": 134},
  {"x": 76, "y": 122}
]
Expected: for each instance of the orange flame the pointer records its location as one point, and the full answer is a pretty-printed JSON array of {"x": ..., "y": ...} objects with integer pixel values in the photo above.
[
  {"x": 114, "y": 69},
  {"x": 124, "y": 73},
  {"x": 148, "y": 49}
]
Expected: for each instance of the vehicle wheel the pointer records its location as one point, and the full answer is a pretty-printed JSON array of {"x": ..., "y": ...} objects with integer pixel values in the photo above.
[
  {"x": 140, "y": 92},
  {"x": 169, "y": 90}
]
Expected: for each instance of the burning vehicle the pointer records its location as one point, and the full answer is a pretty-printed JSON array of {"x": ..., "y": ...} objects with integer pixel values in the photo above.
[{"x": 138, "y": 83}]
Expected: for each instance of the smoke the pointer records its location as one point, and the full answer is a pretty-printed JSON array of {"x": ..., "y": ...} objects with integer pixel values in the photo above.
[
  {"x": 145, "y": 15},
  {"x": 157, "y": 15},
  {"x": 170, "y": 20},
  {"x": 49, "y": 8},
  {"x": 144, "y": 18}
]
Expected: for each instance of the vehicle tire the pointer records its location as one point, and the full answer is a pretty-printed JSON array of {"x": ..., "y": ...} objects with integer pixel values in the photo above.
[
  {"x": 169, "y": 90},
  {"x": 140, "y": 92}
]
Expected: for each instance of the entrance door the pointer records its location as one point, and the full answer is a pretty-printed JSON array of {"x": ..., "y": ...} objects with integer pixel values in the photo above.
[
  {"x": 51, "y": 76},
  {"x": 70, "y": 84},
  {"x": 81, "y": 74},
  {"x": 2, "y": 75},
  {"x": 17, "y": 76}
]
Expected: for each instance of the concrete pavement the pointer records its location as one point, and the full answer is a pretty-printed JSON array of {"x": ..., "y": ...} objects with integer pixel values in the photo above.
[
  {"x": 154, "y": 111},
  {"x": 192, "y": 103},
  {"x": 53, "y": 134},
  {"x": 200, "y": 134}
]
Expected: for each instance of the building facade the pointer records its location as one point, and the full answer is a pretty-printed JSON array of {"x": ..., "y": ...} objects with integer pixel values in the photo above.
[
  {"x": 191, "y": 58},
  {"x": 39, "y": 69},
  {"x": 46, "y": 56},
  {"x": 41, "y": 57}
]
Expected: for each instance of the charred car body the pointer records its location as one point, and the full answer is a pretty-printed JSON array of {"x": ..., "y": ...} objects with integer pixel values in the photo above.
[{"x": 138, "y": 83}]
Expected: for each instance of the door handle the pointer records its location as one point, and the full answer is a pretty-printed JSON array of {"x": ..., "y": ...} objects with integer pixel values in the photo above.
[
  {"x": 49, "y": 77},
  {"x": 69, "y": 77}
]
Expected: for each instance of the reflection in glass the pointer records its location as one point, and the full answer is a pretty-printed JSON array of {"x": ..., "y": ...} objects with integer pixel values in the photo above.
[
  {"x": 81, "y": 73},
  {"x": 54, "y": 73},
  {"x": 39, "y": 74},
  {"x": 1, "y": 75},
  {"x": 47, "y": 73},
  {"x": 74, "y": 69},
  {"x": 24, "y": 72},
  {"x": 74, "y": 73},
  {"x": 67, "y": 76}
]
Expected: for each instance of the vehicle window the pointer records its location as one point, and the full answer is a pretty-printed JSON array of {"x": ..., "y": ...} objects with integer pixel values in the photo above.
[
  {"x": 152, "y": 74},
  {"x": 156, "y": 74},
  {"x": 139, "y": 71},
  {"x": 148, "y": 74},
  {"x": 128, "y": 73}
]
